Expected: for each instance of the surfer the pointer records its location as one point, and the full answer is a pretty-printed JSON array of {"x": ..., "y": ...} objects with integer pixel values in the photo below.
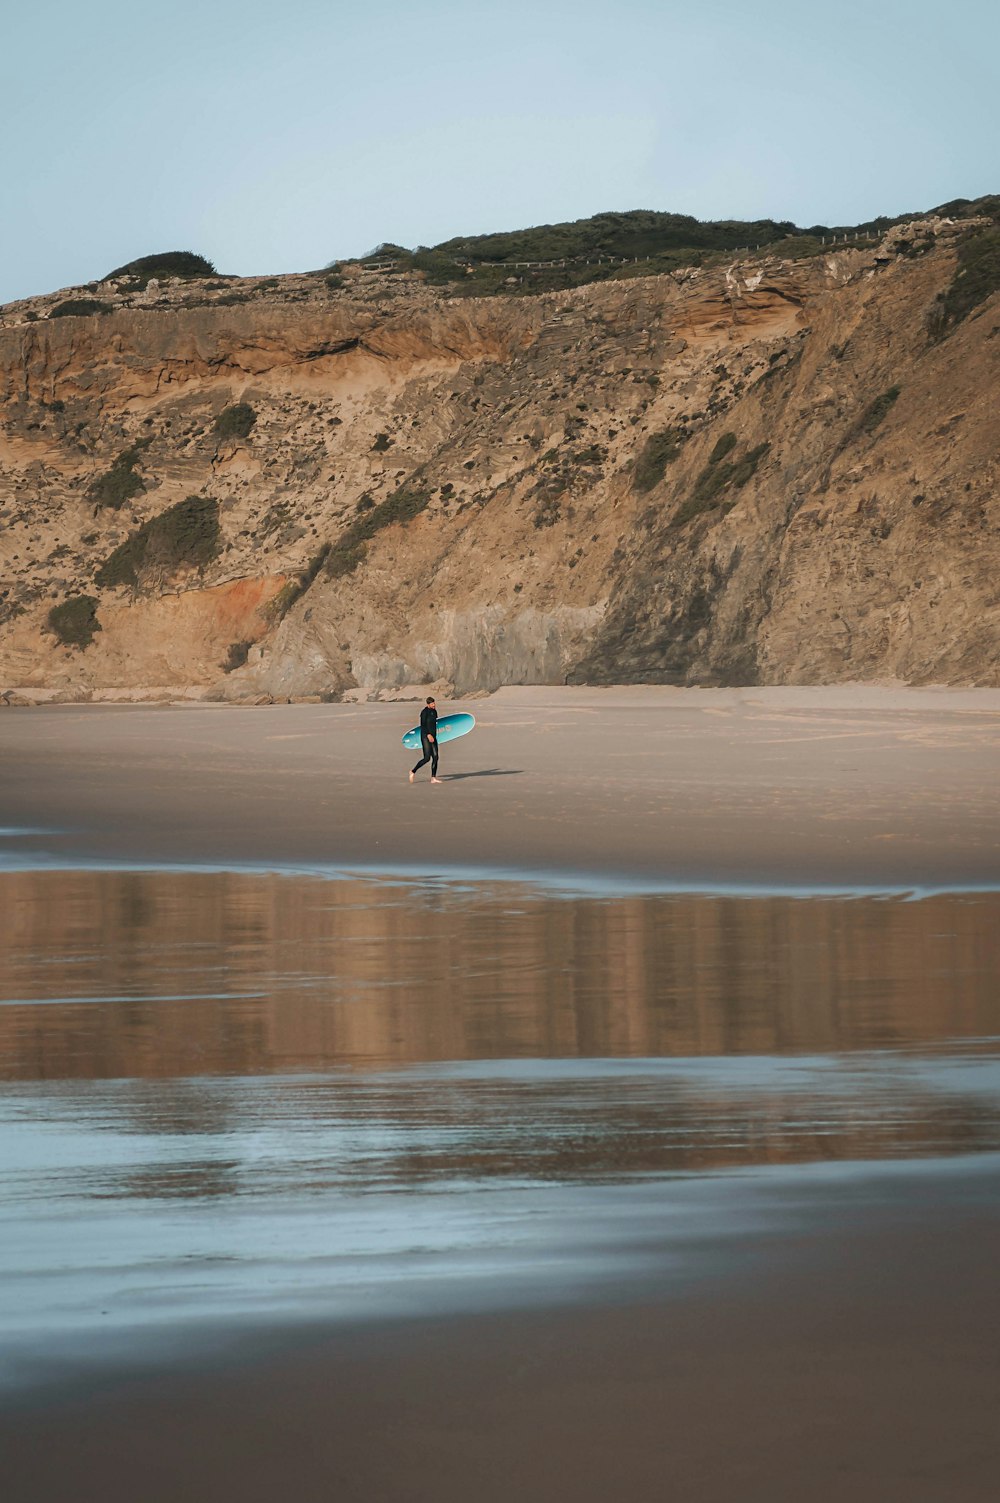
[{"x": 428, "y": 740}]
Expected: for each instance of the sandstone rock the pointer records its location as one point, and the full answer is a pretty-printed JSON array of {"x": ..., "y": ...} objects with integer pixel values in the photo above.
[{"x": 830, "y": 542}]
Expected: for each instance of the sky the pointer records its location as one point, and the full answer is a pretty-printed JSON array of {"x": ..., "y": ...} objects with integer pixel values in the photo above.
[{"x": 278, "y": 137}]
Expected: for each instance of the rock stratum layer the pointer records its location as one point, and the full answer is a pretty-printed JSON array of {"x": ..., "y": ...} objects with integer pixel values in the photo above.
[{"x": 768, "y": 473}]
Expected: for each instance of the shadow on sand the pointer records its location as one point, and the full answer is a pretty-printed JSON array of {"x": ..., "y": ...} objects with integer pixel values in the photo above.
[{"x": 486, "y": 772}]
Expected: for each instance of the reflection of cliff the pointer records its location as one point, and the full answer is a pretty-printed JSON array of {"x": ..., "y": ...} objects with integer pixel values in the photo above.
[
  {"x": 405, "y": 1129},
  {"x": 257, "y": 974}
]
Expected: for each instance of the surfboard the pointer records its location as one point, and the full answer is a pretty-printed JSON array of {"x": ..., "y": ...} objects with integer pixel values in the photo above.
[{"x": 448, "y": 728}]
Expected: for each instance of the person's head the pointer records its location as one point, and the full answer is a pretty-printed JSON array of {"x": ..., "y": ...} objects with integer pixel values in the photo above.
[{"x": 430, "y": 699}]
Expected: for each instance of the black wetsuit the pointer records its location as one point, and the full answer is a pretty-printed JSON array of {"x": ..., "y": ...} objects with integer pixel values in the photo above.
[{"x": 428, "y": 728}]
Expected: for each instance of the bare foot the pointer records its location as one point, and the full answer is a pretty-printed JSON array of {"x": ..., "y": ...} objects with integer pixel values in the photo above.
[
  {"x": 413, "y": 777},
  {"x": 436, "y": 780}
]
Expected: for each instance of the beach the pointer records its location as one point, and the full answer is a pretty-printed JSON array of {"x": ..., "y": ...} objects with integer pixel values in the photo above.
[
  {"x": 788, "y": 788},
  {"x": 619, "y": 1119}
]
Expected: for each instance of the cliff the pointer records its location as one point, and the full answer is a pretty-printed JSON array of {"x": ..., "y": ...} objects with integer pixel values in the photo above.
[{"x": 773, "y": 471}]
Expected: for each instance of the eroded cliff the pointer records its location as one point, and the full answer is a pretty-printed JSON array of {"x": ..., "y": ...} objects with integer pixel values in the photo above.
[{"x": 771, "y": 472}]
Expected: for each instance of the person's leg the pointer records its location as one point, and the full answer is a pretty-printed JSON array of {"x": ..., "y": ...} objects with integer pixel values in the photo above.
[
  {"x": 434, "y": 762},
  {"x": 428, "y": 751}
]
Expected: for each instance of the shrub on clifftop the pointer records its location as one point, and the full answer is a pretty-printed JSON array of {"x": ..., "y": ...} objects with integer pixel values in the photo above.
[
  {"x": 79, "y": 307},
  {"x": 164, "y": 265}
]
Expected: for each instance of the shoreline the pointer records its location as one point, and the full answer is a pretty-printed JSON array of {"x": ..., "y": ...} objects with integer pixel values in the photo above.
[
  {"x": 851, "y": 694},
  {"x": 541, "y": 882}
]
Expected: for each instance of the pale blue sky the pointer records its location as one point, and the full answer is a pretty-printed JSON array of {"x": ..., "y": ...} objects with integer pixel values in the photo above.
[{"x": 276, "y": 137}]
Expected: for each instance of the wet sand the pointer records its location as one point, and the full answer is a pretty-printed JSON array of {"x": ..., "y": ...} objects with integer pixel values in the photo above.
[
  {"x": 113, "y": 975},
  {"x": 852, "y": 1355},
  {"x": 781, "y": 787}
]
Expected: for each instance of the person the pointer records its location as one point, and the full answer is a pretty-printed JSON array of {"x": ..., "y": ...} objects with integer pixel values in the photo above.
[{"x": 428, "y": 740}]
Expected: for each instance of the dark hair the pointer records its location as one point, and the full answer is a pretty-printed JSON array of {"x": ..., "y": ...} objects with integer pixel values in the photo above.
[{"x": 430, "y": 699}]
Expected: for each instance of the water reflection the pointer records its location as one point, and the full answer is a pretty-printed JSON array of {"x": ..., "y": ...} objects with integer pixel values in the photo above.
[
  {"x": 240, "y": 1094},
  {"x": 143, "y": 975},
  {"x": 295, "y": 1135}
]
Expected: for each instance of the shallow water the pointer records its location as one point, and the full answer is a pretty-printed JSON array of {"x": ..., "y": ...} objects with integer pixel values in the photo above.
[{"x": 239, "y": 1096}]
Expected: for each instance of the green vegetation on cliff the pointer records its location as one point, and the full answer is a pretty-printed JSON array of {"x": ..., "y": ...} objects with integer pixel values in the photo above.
[
  {"x": 120, "y": 483},
  {"x": 348, "y": 552},
  {"x": 659, "y": 450},
  {"x": 75, "y": 621},
  {"x": 638, "y": 242},
  {"x": 236, "y": 421},
  {"x": 163, "y": 266},
  {"x": 236, "y": 656},
  {"x": 184, "y": 536},
  {"x": 295, "y": 588},
  {"x": 79, "y": 307},
  {"x": 719, "y": 477},
  {"x": 639, "y": 233},
  {"x": 976, "y": 278},
  {"x": 876, "y": 411}
]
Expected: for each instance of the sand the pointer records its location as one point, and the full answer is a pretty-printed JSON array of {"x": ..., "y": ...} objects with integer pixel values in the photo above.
[
  {"x": 774, "y": 787},
  {"x": 854, "y": 1358}
]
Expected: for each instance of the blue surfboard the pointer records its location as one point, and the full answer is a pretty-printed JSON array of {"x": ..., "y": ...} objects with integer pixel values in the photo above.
[{"x": 448, "y": 728}]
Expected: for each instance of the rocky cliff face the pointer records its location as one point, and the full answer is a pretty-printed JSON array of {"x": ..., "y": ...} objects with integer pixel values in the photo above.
[{"x": 768, "y": 473}]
